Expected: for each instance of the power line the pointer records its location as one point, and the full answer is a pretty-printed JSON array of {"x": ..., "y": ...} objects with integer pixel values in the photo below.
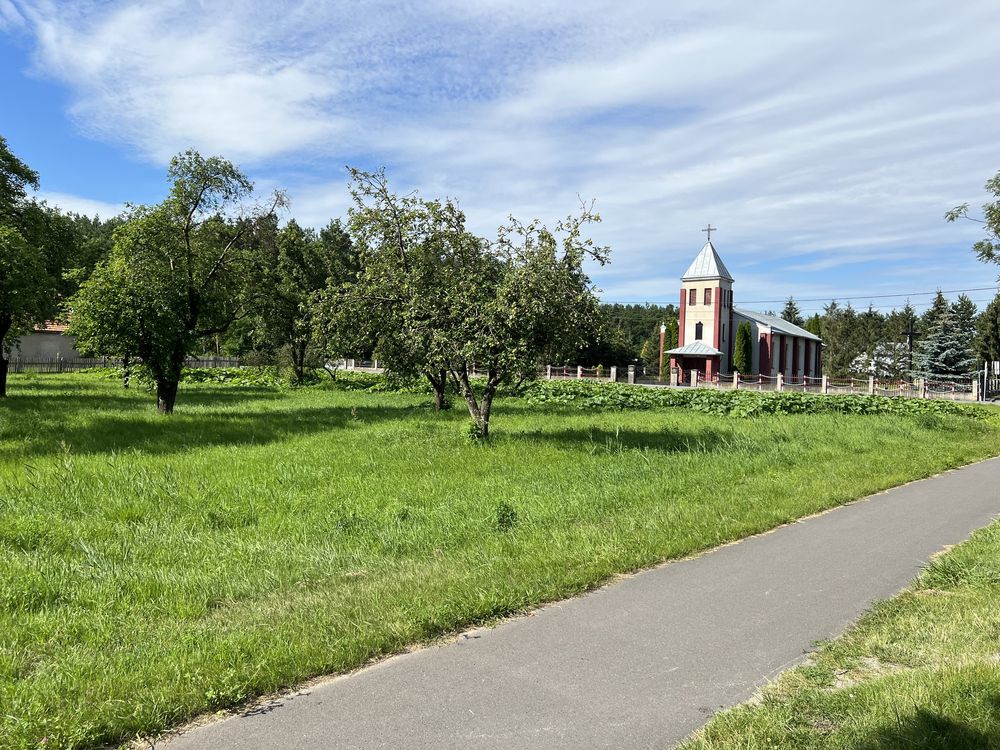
[
  {"x": 830, "y": 298},
  {"x": 867, "y": 296}
]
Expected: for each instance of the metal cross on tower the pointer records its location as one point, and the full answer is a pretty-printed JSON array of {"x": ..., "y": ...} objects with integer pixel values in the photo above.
[{"x": 709, "y": 229}]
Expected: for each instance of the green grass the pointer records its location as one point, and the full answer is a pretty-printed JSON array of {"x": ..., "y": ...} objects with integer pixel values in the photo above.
[
  {"x": 152, "y": 568},
  {"x": 921, "y": 670}
]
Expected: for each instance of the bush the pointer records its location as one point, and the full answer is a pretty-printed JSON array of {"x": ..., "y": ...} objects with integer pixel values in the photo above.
[{"x": 589, "y": 395}]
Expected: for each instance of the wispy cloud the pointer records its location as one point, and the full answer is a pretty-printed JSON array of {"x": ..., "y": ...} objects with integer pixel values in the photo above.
[
  {"x": 77, "y": 205},
  {"x": 822, "y": 139}
]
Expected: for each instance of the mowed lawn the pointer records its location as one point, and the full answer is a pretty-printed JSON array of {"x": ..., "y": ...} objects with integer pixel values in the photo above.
[{"x": 154, "y": 568}]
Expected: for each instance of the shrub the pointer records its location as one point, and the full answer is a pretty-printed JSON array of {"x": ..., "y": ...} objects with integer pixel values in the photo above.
[{"x": 590, "y": 395}]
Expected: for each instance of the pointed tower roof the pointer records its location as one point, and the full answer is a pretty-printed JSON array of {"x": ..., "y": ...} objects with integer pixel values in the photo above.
[{"x": 708, "y": 265}]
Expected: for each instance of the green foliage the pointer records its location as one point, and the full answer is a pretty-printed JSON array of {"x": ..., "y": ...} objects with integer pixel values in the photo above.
[
  {"x": 988, "y": 248},
  {"x": 298, "y": 264},
  {"x": 15, "y": 179},
  {"x": 506, "y": 516},
  {"x": 25, "y": 286},
  {"x": 179, "y": 271},
  {"x": 935, "y": 312},
  {"x": 988, "y": 333},
  {"x": 947, "y": 352},
  {"x": 743, "y": 350},
  {"x": 791, "y": 313},
  {"x": 735, "y": 403},
  {"x": 435, "y": 300},
  {"x": 622, "y": 330}
]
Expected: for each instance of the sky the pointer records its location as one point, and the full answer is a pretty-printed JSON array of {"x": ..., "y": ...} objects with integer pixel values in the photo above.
[{"x": 824, "y": 140}]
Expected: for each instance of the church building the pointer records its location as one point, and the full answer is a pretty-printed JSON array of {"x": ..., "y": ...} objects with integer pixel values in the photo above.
[{"x": 709, "y": 320}]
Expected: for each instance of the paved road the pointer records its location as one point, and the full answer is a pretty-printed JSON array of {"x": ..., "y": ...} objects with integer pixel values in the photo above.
[{"x": 645, "y": 661}]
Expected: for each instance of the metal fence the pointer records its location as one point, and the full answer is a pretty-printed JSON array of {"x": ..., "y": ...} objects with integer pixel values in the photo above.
[
  {"x": 972, "y": 389},
  {"x": 59, "y": 364}
]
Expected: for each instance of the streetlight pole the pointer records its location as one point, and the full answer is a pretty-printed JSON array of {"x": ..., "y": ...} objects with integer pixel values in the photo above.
[{"x": 663, "y": 332}]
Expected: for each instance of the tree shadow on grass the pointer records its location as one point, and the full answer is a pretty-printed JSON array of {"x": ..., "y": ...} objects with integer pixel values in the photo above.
[
  {"x": 103, "y": 431},
  {"x": 930, "y": 731},
  {"x": 700, "y": 440}
]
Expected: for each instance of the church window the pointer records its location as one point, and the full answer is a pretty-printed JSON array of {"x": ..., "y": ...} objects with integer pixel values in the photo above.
[
  {"x": 708, "y": 296},
  {"x": 693, "y": 297},
  {"x": 698, "y": 330}
]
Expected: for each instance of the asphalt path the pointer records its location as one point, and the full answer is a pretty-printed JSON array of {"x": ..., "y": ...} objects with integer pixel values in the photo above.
[{"x": 644, "y": 661}]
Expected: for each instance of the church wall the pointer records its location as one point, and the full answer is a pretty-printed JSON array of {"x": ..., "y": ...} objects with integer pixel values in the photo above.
[{"x": 700, "y": 312}]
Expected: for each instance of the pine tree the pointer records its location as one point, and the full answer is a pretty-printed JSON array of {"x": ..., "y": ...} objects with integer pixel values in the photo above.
[
  {"x": 791, "y": 312},
  {"x": 946, "y": 353},
  {"x": 742, "y": 351}
]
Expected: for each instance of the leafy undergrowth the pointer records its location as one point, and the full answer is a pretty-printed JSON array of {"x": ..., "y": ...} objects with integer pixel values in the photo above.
[
  {"x": 592, "y": 395},
  {"x": 921, "y": 670},
  {"x": 154, "y": 568}
]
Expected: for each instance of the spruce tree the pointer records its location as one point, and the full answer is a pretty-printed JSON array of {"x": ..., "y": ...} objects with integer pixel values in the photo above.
[
  {"x": 932, "y": 314},
  {"x": 966, "y": 316},
  {"x": 946, "y": 352},
  {"x": 988, "y": 334},
  {"x": 742, "y": 351},
  {"x": 791, "y": 313}
]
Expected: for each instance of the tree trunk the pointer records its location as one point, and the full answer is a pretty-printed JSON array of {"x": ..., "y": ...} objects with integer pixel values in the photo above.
[
  {"x": 479, "y": 410},
  {"x": 166, "y": 395},
  {"x": 5, "y": 325},
  {"x": 299, "y": 361},
  {"x": 440, "y": 384}
]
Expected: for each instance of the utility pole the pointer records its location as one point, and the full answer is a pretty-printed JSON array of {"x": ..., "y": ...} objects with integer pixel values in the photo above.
[{"x": 663, "y": 332}]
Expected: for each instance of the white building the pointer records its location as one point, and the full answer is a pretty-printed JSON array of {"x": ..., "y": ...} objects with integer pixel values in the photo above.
[
  {"x": 47, "y": 342},
  {"x": 709, "y": 320}
]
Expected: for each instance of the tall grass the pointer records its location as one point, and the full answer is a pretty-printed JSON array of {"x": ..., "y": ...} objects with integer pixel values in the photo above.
[{"x": 152, "y": 568}]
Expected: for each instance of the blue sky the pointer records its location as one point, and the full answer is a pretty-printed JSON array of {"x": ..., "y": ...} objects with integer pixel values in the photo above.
[{"x": 825, "y": 143}]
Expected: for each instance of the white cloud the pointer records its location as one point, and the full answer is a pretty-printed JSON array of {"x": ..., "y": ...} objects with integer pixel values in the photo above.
[
  {"x": 824, "y": 140},
  {"x": 78, "y": 205}
]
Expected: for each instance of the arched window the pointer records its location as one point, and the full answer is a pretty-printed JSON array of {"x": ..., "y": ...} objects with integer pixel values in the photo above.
[{"x": 698, "y": 330}]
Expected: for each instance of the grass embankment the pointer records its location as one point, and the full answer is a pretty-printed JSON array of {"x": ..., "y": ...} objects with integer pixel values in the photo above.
[
  {"x": 153, "y": 568},
  {"x": 921, "y": 670}
]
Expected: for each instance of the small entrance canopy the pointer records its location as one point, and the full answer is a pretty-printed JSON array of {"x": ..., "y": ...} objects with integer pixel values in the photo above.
[
  {"x": 696, "y": 356},
  {"x": 695, "y": 349}
]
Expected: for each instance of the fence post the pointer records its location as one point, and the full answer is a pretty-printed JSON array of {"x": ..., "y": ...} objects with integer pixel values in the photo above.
[
  {"x": 922, "y": 387},
  {"x": 736, "y": 380},
  {"x": 675, "y": 378},
  {"x": 781, "y": 382},
  {"x": 548, "y": 372},
  {"x": 631, "y": 374},
  {"x": 694, "y": 378},
  {"x": 824, "y": 384},
  {"x": 579, "y": 371},
  {"x": 975, "y": 388},
  {"x": 871, "y": 385},
  {"x": 375, "y": 364},
  {"x": 614, "y": 373}
]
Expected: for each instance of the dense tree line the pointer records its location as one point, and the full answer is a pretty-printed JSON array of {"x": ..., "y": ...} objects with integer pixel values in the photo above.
[
  {"x": 213, "y": 267},
  {"x": 44, "y": 255},
  {"x": 902, "y": 343}
]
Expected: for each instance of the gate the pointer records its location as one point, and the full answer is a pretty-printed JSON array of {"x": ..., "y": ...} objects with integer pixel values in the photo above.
[{"x": 991, "y": 381}]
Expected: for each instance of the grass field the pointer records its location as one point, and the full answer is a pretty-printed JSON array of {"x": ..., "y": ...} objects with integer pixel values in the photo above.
[
  {"x": 921, "y": 670},
  {"x": 155, "y": 568}
]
